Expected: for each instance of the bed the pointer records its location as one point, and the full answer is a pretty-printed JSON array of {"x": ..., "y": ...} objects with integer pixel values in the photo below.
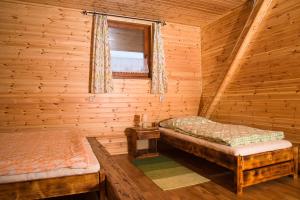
[
  {"x": 251, "y": 163},
  {"x": 45, "y": 164}
]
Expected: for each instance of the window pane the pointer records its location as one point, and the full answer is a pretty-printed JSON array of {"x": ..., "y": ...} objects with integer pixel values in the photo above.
[
  {"x": 127, "y": 50},
  {"x": 121, "y": 39},
  {"x": 126, "y": 61}
]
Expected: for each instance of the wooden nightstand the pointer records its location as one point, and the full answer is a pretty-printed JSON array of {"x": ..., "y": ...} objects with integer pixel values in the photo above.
[{"x": 135, "y": 134}]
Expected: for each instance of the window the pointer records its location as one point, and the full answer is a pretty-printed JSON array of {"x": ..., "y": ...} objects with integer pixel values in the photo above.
[{"x": 130, "y": 49}]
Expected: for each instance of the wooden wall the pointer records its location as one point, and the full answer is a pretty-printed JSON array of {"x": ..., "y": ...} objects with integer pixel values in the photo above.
[
  {"x": 44, "y": 60},
  {"x": 266, "y": 90},
  {"x": 218, "y": 40}
]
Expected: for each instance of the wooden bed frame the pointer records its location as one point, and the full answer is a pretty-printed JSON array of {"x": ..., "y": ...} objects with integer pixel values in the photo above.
[
  {"x": 53, "y": 187},
  {"x": 248, "y": 170}
]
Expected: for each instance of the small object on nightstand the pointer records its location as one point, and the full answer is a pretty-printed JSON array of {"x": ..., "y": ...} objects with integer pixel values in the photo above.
[
  {"x": 145, "y": 123},
  {"x": 135, "y": 134},
  {"x": 137, "y": 120}
]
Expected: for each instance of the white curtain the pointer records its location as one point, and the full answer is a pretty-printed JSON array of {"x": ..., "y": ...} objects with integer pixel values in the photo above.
[
  {"x": 159, "y": 78},
  {"x": 101, "y": 75}
]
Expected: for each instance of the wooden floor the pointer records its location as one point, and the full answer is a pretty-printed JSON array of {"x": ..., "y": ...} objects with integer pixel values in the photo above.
[{"x": 220, "y": 186}]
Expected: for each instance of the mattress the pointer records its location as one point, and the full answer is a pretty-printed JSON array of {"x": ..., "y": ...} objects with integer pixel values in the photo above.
[
  {"x": 75, "y": 164},
  {"x": 227, "y": 134},
  {"x": 236, "y": 151}
]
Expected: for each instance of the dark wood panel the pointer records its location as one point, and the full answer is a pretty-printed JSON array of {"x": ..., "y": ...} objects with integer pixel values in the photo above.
[
  {"x": 52, "y": 187},
  {"x": 266, "y": 173},
  {"x": 268, "y": 158}
]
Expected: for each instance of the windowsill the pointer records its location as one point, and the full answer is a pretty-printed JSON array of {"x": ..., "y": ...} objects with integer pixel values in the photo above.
[{"x": 130, "y": 75}]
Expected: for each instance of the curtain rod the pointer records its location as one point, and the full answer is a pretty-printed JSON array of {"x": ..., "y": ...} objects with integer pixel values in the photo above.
[{"x": 85, "y": 12}]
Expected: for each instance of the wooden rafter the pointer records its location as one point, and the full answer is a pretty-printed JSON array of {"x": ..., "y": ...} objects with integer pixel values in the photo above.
[{"x": 253, "y": 23}]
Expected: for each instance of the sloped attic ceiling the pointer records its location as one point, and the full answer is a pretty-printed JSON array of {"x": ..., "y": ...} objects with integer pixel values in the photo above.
[{"x": 191, "y": 12}]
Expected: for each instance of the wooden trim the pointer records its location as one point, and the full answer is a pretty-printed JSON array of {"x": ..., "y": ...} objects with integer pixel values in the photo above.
[
  {"x": 253, "y": 23},
  {"x": 148, "y": 48},
  {"x": 51, "y": 187},
  {"x": 130, "y": 75},
  {"x": 127, "y": 25},
  {"x": 267, "y": 158},
  {"x": 263, "y": 174},
  {"x": 118, "y": 184},
  {"x": 248, "y": 170}
]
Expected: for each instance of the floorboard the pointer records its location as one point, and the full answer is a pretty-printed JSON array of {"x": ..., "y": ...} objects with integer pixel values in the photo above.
[{"x": 220, "y": 186}]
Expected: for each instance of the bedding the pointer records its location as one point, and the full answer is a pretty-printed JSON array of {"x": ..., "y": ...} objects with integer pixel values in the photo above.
[
  {"x": 226, "y": 134},
  {"x": 244, "y": 150},
  {"x": 37, "y": 155}
]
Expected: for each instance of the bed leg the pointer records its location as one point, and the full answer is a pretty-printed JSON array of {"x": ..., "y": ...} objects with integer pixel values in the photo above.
[
  {"x": 239, "y": 176},
  {"x": 102, "y": 192},
  {"x": 296, "y": 157}
]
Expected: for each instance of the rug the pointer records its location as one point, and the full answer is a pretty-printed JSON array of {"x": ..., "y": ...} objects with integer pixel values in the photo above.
[{"x": 168, "y": 174}]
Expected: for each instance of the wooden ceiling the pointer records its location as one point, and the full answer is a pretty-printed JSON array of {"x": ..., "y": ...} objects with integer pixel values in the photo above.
[{"x": 191, "y": 12}]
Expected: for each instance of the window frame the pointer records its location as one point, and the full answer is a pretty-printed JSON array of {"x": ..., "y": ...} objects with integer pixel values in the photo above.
[{"x": 147, "y": 28}]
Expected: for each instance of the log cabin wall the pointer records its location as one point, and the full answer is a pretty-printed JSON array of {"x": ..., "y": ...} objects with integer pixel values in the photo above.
[
  {"x": 44, "y": 59},
  {"x": 265, "y": 91},
  {"x": 218, "y": 40}
]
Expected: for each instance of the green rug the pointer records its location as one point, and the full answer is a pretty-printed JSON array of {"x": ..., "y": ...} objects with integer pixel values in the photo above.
[{"x": 168, "y": 174}]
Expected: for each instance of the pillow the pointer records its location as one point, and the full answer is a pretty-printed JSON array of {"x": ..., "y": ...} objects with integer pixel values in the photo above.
[{"x": 175, "y": 122}]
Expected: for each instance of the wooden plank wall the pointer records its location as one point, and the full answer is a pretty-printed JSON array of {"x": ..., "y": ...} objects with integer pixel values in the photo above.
[
  {"x": 44, "y": 60},
  {"x": 265, "y": 92},
  {"x": 218, "y": 40}
]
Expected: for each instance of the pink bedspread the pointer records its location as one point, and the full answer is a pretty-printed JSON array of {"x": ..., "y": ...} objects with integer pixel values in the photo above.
[{"x": 31, "y": 152}]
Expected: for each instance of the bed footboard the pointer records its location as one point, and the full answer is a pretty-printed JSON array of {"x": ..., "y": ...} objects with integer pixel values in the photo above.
[
  {"x": 51, "y": 187},
  {"x": 265, "y": 166}
]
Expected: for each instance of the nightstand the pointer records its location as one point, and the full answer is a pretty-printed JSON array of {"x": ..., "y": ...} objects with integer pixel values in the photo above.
[{"x": 138, "y": 134}]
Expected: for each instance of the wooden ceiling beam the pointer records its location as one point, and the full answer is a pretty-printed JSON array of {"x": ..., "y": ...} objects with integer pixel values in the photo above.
[{"x": 259, "y": 11}]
